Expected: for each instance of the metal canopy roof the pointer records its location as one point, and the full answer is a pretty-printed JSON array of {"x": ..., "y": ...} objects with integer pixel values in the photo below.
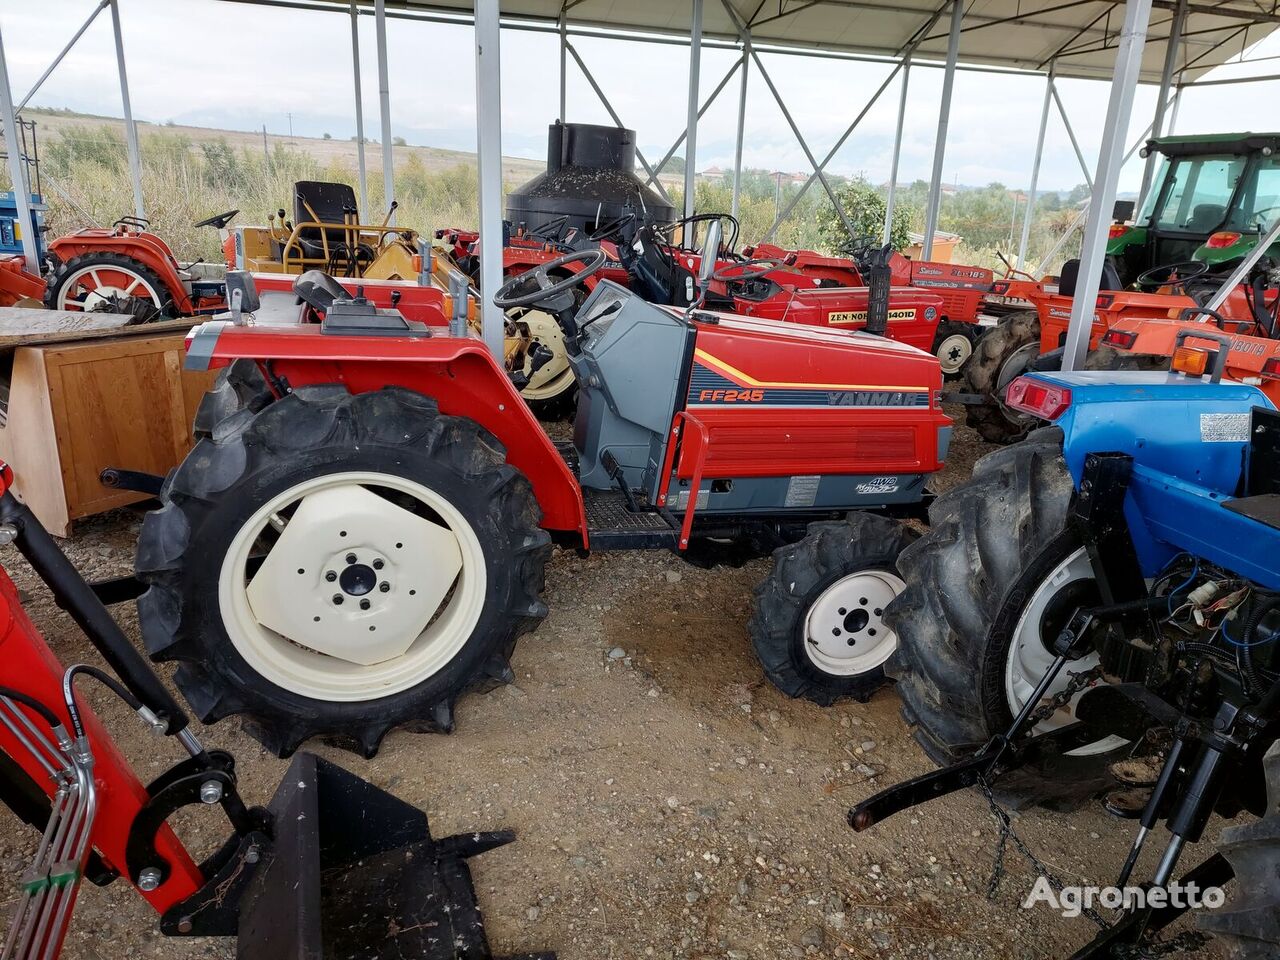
[{"x": 1081, "y": 34}]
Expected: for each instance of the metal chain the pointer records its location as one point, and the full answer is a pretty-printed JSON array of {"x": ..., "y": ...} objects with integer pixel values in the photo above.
[
  {"x": 1007, "y": 834},
  {"x": 1060, "y": 699}
]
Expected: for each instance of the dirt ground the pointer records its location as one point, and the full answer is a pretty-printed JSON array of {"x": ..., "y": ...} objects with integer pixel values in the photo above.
[{"x": 668, "y": 802}]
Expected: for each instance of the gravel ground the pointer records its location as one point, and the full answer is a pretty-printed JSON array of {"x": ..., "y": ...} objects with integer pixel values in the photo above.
[{"x": 668, "y": 802}]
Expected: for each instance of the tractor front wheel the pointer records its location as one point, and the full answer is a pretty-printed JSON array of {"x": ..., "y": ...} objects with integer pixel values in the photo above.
[
  {"x": 1002, "y": 354},
  {"x": 818, "y": 627},
  {"x": 110, "y": 283},
  {"x": 953, "y": 345},
  {"x": 987, "y": 591},
  {"x": 337, "y": 565}
]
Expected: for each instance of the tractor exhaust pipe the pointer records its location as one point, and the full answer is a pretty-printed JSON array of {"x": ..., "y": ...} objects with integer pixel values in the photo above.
[{"x": 878, "y": 281}]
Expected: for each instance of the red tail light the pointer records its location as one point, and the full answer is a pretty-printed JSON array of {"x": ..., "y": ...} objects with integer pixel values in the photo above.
[
  {"x": 1124, "y": 339},
  {"x": 1105, "y": 300},
  {"x": 1222, "y": 240},
  {"x": 1117, "y": 231},
  {"x": 1271, "y": 368},
  {"x": 1037, "y": 398},
  {"x": 1000, "y": 287}
]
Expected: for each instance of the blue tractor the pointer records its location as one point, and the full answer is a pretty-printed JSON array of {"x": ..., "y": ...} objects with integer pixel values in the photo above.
[{"x": 1101, "y": 600}]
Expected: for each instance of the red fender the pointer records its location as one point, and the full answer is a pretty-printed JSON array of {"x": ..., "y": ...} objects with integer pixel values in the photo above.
[{"x": 459, "y": 373}]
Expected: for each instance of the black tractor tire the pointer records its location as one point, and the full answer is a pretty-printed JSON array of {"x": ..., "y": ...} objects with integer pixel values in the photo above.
[
  {"x": 802, "y": 573},
  {"x": 1109, "y": 358},
  {"x": 951, "y": 353},
  {"x": 252, "y": 457},
  {"x": 144, "y": 308},
  {"x": 992, "y": 541},
  {"x": 1249, "y": 922},
  {"x": 985, "y": 370},
  {"x": 239, "y": 386}
]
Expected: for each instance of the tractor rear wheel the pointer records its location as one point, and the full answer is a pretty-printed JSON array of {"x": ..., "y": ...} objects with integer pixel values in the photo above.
[
  {"x": 110, "y": 283},
  {"x": 240, "y": 385},
  {"x": 337, "y": 565},
  {"x": 1109, "y": 358},
  {"x": 953, "y": 345},
  {"x": 552, "y": 391},
  {"x": 983, "y": 589},
  {"x": 1250, "y": 920},
  {"x": 818, "y": 625},
  {"x": 1002, "y": 354}
]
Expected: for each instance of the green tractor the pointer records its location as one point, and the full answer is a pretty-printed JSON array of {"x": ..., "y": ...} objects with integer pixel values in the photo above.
[{"x": 1214, "y": 197}]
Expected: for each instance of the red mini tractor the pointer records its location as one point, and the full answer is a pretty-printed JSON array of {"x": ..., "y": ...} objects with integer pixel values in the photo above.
[
  {"x": 332, "y": 869},
  {"x": 129, "y": 269},
  {"x": 361, "y": 533}
]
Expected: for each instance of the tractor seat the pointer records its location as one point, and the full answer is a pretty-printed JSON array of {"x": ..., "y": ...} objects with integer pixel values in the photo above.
[
  {"x": 1071, "y": 274},
  {"x": 1205, "y": 216},
  {"x": 322, "y": 202}
]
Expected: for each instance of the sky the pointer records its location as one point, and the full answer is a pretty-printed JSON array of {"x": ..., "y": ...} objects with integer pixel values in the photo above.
[{"x": 230, "y": 65}]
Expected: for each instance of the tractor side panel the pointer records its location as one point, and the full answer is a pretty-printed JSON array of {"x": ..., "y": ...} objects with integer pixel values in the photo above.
[
  {"x": 457, "y": 372},
  {"x": 962, "y": 288}
]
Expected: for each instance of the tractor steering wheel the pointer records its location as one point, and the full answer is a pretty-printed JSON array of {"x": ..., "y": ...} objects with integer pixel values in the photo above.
[
  {"x": 745, "y": 271},
  {"x": 731, "y": 235},
  {"x": 220, "y": 221},
  {"x": 534, "y": 286},
  {"x": 610, "y": 228},
  {"x": 1163, "y": 276}
]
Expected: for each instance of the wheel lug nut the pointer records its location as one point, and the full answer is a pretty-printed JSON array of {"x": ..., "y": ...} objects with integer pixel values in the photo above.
[
  {"x": 337, "y": 598},
  {"x": 378, "y": 564},
  {"x": 384, "y": 586},
  {"x": 364, "y": 604},
  {"x": 331, "y": 575},
  {"x": 351, "y": 558}
]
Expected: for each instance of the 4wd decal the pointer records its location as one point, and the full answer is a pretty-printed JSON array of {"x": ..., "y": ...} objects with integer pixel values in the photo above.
[
  {"x": 849, "y": 317},
  {"x": 878, "y": 485}
]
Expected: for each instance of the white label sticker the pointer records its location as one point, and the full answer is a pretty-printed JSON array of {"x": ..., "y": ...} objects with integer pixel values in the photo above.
[
  {"x": 802, "y": 491},
  {"x": 1224, "y": 427},
  {"x": 682, "y": 500}
]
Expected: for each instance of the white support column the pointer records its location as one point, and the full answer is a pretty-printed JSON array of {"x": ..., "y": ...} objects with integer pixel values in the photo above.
[
  {"x": 897, "y": 150},
  {"x": 130, "y": 128},
  {"x": 944, "y": 118},
  {"x": 1166, "y": 81},
  {"x": 362, "y": 170},
  {"x": 564, "y": 63},
  {"x": 691, "y": 123},
  {"x": 17, "y": 168},
  {"x": 1110, "y": 159},
  {"x": 1173, "y": 112},
  {"x": 1035, "y": 165},
  {"x": 384, "y": 105},
  {"x": 742, "y": 121},
  {"x": 489, "y": 150},
  {"x": 1071, "y": 134}
]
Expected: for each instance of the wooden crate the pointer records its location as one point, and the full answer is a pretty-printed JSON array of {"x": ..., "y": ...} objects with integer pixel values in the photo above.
[{"x": 77, "y": 408}]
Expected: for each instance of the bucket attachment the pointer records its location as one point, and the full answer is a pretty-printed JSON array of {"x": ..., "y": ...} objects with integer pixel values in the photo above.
[{"x": 353, "y": 873}]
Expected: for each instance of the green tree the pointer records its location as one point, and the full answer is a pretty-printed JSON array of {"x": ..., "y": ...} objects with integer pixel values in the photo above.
[{"x": 865, "y": 209}]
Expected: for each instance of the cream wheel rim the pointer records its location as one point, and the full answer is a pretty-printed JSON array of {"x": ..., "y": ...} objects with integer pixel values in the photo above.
[
  {"x": 555, "y": 376},
  {"x": 953, "y": 351},
  {"x": 98, "y": 286},
  {"x": 844, "y": 631},
  {"x": 1029, "y": 658},
  {"x": 358, "y": 596}
]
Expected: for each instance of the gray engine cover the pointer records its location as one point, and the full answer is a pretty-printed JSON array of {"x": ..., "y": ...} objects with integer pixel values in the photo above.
[{"x": 628, "y": 377}]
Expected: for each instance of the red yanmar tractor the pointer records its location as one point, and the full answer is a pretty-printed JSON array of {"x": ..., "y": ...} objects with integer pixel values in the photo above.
[
  {"x": 332, "y": 869},
  {"x": 360, "y": 535}
]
